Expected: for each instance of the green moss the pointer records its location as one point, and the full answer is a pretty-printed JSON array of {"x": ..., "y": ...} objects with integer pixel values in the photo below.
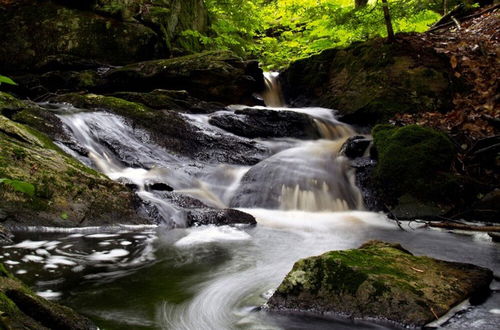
[
  {"x": 413, "y": 160},
  {"x": 380, "y": 280}
]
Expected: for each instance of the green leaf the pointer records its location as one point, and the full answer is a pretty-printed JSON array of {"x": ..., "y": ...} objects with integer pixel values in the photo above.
[
  {"x": 20, "y": 186},
  {"x": 7, "y": 80},
  {"x": 64, "y": 216}
]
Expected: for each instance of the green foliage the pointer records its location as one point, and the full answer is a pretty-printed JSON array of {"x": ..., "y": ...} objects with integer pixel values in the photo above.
[
  {"x": 6, "y": 80},
  {"x": 20, "y": 186},
  {"x": 278, "y": 32}
]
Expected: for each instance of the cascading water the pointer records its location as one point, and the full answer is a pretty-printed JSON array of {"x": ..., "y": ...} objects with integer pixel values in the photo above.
[
  {"x": 272, "y": 96},
  {"x": 303, "y": 197}
]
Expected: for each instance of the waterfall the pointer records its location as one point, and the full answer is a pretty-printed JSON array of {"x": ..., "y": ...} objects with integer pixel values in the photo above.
[{"x": 272, "y": 95}]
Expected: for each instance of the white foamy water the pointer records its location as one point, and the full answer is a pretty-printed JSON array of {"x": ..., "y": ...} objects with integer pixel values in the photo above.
[{"x": 212, "y": 234}]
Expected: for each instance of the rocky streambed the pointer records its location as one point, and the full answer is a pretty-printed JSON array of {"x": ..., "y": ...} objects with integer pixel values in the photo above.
[{"x": 136, "y": 192}]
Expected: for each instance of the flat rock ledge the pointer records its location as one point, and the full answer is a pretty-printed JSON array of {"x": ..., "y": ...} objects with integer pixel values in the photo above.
[{"x": 380, "y": 281}]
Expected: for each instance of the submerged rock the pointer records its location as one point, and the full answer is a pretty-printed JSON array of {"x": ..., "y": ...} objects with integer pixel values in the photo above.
[
  {"x": 379, "y": 281},
  {"x": 23, "y": 309},
  {"x": 255, "y": 123},
  {"x": 370, "y": 82}
]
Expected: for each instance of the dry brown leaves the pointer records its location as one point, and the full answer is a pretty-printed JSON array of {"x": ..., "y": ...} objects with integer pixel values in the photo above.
[{"x": 473, "y": 52}]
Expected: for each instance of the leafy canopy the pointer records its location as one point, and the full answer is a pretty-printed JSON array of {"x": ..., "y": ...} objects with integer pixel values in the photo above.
[{"x": 280, "y": 31}]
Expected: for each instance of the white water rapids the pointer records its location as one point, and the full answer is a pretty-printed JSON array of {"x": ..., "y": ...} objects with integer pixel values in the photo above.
[{"x": 302, "y": 195}]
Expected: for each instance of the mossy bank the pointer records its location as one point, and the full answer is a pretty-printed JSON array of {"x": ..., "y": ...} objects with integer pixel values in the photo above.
[{"x": 66, "y": 192}]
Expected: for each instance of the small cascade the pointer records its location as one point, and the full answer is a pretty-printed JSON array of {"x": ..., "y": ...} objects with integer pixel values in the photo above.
[
  {"x": 310, "y": 177},
  {"x": 273, "y": 97}
]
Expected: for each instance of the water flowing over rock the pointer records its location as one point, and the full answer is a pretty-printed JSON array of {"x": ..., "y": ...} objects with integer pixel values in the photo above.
[{"x": 379, "y": 281}]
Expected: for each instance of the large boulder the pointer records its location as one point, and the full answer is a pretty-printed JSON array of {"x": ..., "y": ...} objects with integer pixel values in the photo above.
[
  {"x": 45, "y": 186},
  {"x": 413, "y": 173},
  {"x": 263, "y": 123},
  {"x": 112, "y": 31},
  {"x": 379, "y": 281},
  {"x": 23, "y": 309},
  {"x": 210, "y": 76},
  {"x": 370, "y": 82}
]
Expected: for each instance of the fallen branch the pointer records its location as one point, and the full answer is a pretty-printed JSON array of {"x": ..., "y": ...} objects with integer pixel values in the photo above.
[
  {"x": 442, "y": 22},
  {"x": 461, "y": 226}
]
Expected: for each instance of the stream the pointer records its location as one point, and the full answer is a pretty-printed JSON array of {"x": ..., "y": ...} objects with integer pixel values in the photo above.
[{"x": 167, "y": 276}]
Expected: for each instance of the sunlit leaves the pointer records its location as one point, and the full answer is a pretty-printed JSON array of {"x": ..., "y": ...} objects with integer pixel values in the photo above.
[{"x": 280, "y": 31}]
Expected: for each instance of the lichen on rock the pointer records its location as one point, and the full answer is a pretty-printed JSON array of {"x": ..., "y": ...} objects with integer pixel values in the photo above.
[{"x": 379, "y": 281}]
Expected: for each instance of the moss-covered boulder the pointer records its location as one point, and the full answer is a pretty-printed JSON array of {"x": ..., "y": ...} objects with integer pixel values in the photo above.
[
  {"x": 379, "y": 281},
  {"x": 112, "y": 31},
  {"x": 21, "y": 308},
  {"x": 211, "y": 76},
  {"x": 372, "y": 81},
  {"x": 178, "y": 100},
  {"x": 413, "y": 170},
  {"x": 63, "y": 191}
]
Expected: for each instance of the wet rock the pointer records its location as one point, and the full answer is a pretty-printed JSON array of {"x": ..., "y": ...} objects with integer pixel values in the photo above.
[
  {"x": 32, "y": 115},
  {"x": 173, "y": 131},
  {"x": 23, "y": 309},
  {"x": 114, "y": 31},
  {"x": 262, "y": 123},
  {"x": 5, "y": 234},
  {"x": 158, "y": 186},
  {"x": 364, "y": 167},
  {"x": 211, "y": 76},
  {"x": 67, "y": 193},
  {"x": 223, "y": 217},
  {"x": 379, "y": 281},
  {"x": 369, "y": 82},
  {"x": 495, "y": 236},
  {"x": 355, "y": 146}
]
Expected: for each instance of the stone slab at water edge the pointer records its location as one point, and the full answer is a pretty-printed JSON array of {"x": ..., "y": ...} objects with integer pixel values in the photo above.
[{"x": 379, "y": 281}]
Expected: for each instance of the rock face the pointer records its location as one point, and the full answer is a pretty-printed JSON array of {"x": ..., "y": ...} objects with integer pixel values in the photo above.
[
  {"x": 255, "y": 123},
  {"x": 210, "y": 76},
  {"x": 66, "y": 192},
  {"x": 178, "y": 83},
  {"x": 112, "y": 31},
  {"x": 23, "y": 309},
  {"x": 379, "y": 281},
  {"x": 370, "y": 82}
]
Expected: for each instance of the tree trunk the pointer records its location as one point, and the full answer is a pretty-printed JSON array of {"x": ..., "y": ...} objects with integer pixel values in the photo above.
[
  {"x": 360, "y": 3},
  {"x": 388, "y": 21}
]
